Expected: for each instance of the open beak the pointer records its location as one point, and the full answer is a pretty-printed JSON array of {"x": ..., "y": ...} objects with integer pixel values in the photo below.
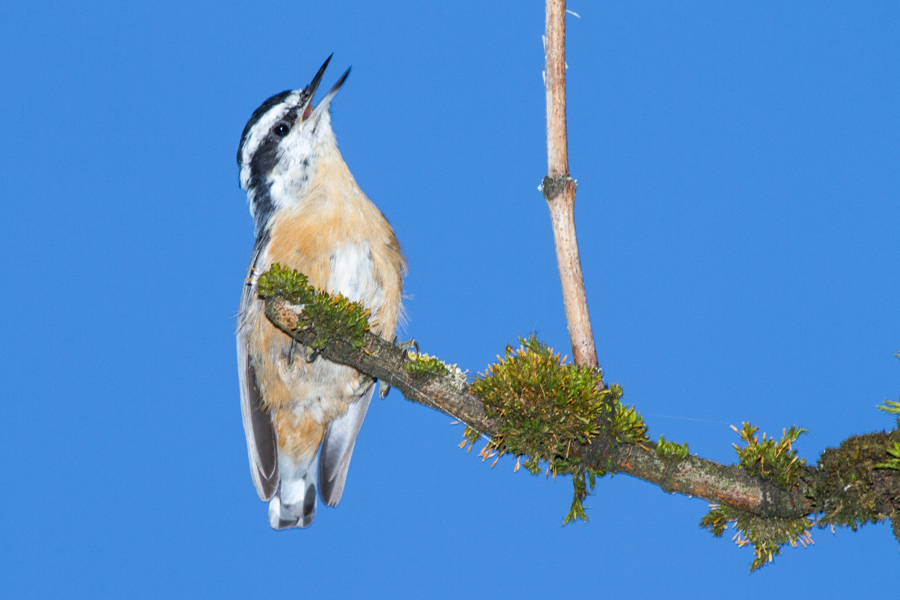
[{"x": 314, "y": 85}]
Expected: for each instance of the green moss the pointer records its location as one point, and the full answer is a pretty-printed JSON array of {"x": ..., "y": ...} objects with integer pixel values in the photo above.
[
  {"x": 890, "y": 407},
  {"x": 280, "y": 281},
  {"x": 627, "y": 424},
  {"x": 771, "y": 459},
  {"x": 767, "y": 535},
  {"x": 332, "y": 316},
  {"x": 423, "y": 366},
  {"x": 547, "y": 410},
  {"x": 851, "y": 484},
  {"x": 893, "y": 463},
  {"x": 670, "y": 450},
  {"x": 776, "y": 461}
]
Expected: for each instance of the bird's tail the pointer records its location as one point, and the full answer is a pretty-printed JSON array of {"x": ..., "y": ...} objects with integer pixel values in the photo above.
[{"x": 294, "y": 505}]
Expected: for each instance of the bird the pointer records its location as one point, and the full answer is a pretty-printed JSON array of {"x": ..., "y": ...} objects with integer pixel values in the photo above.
[{"x": 302, "y": 413}]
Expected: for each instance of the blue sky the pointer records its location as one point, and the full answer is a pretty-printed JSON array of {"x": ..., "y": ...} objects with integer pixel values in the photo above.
[{"x": 739, "y": 217}]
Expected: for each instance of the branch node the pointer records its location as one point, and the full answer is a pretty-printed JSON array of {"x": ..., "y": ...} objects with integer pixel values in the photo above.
[{"x": 552, "y": 187}]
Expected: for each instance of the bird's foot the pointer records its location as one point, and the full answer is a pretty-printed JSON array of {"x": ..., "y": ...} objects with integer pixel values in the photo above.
[
  {"x": 310, "y": 354},
  {"x": 407, "y": 345}
]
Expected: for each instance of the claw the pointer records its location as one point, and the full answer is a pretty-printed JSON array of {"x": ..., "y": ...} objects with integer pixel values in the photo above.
[
  {"x": 310, "y": 354},
  {"x": 409, "y": 344},
  {"x": 384, "y": 389}
]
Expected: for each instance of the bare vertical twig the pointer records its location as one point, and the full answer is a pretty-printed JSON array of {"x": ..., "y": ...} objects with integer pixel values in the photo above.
[{"x": 559, "y": 188}]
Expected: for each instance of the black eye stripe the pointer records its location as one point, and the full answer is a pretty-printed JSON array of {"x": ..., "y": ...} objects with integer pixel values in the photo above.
[
  {"x": 257, "y": 115},
  {"x": 289, "y": 117}
]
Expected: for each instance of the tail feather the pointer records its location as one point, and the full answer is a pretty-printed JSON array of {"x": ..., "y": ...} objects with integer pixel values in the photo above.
[{"x": 294, "y": 505}]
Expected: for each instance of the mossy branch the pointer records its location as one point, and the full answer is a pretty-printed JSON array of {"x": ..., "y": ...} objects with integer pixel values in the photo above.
[{"x": 561, "y": 419}]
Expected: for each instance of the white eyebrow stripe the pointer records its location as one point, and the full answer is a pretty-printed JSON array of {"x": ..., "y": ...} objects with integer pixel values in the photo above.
[{"x": 259, "y": 131}]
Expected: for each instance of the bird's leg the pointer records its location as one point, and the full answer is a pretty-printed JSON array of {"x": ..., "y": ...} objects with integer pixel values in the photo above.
[
  {"x": 385, "y": 388},
  {"x": 364, "y": 382}
]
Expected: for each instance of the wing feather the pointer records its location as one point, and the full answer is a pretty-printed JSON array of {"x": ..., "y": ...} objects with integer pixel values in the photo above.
[
  {"x": 258, "y": 427},
  {"x": 337, "y": 449}
]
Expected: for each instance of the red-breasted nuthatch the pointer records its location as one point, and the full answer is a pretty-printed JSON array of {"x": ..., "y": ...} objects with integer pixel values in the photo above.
[{"x": 310, "y": 215}]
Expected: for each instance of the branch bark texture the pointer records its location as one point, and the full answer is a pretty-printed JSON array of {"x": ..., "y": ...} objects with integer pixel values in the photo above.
[{"x": 559, "y": 189}]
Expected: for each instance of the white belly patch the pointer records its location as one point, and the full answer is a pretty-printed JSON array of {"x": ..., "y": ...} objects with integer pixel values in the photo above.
[{"x": 350, "y": 274}]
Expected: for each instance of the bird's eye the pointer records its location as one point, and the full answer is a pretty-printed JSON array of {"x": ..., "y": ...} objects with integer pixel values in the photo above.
[{"x": 281, "y": 129}]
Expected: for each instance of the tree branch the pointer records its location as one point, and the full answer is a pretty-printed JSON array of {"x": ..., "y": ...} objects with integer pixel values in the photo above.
[
  {"x": 559, "y": 189},
  {"x": 770, "y": 498},
  {"x": 693, "y": 476}
]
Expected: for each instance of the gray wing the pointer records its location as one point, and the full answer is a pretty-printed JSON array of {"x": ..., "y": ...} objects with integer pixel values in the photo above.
[
  {"x": 261, "y": 441},
  {"x": 337, "y": 448}
]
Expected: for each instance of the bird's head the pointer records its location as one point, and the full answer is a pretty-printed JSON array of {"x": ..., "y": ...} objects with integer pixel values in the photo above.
[{"x": 278, "y": 148}]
